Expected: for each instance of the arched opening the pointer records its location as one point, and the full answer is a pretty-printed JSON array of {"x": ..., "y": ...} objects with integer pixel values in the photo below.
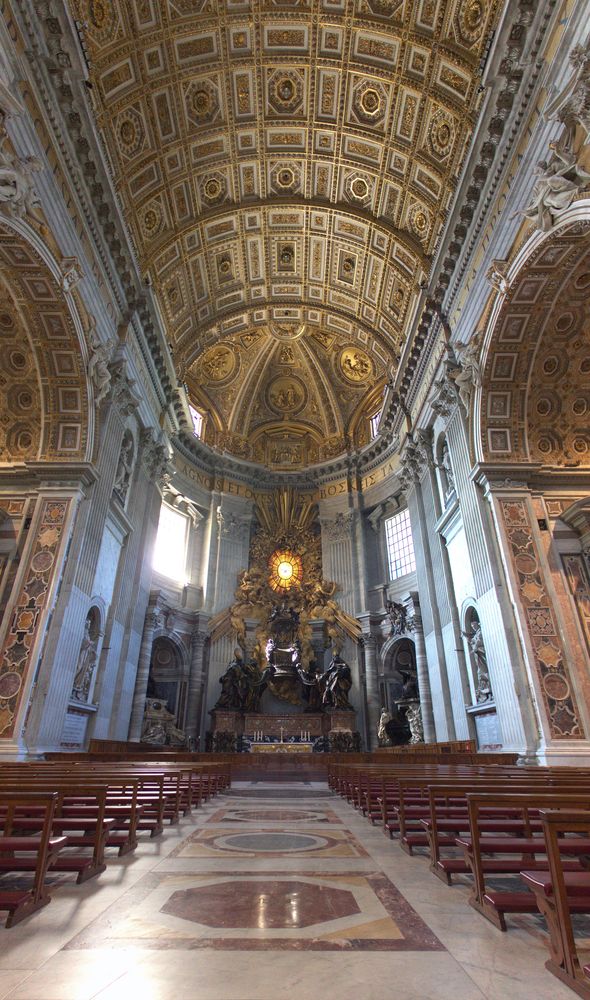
[
  {"x": 534, "y": 397},
  {"x": 167, "y": 678},
  {"x": 399, "y": 681},
  {"x": 531, "y": 415},
  {"x": 45, "y": 391}
]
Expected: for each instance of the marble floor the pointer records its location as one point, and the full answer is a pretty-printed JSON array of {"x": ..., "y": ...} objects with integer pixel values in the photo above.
[{"x": 270, "y": 892}]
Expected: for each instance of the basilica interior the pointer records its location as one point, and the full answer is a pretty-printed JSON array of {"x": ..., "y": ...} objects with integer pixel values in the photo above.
[{"x": 294, "y": 495}]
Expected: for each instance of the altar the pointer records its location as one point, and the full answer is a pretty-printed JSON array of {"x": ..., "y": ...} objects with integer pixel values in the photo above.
[{"x": 320, "y": 716}]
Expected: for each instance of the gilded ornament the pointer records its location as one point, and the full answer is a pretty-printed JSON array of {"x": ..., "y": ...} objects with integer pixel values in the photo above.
[
  {"x": 218, "y": 364},
  {"x": 286, "y": 394},
  {"x": 471, "y": 20},
  {"x": 355, "y": 365},
  {"x": 262, "y": 262}
]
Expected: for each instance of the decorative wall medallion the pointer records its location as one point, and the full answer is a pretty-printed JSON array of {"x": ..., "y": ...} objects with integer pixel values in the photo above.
[
  {"x": 218, "y": 364},
  {"x": 355, "y": 365},
  {"x": 420, "y": 222},
  {"x": 286, "y": 395},
  {"x": 286, "y": 257}
]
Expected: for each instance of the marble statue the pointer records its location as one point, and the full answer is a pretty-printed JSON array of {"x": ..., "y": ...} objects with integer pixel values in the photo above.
[
  {"x": 558, "y": 181},
  {"x": 468, "y": 375},
  {"x": 398, "y": 616},
  {"x": 382, "y": 734},
  {"x": 414, "y": 720},
  {"x": 447, "y": 469},
  {"x": 17, "y": 192},
  {"x": 124, "y": 467},
  {"x": 98, "y": 366},
  {"x": 86, "y": 662},
  {"x": 159, "y": 725},
  {"x": 483, "y": 690}
]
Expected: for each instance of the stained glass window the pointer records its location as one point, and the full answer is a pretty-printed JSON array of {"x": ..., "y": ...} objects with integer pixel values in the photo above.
[{"x": 285, "y": 569}]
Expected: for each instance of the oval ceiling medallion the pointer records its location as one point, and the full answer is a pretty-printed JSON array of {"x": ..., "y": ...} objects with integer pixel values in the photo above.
[
  {"x": 355, "y": 365},
  {"x": 218, "y": 364},
  {"x": 286, "y": 395}
]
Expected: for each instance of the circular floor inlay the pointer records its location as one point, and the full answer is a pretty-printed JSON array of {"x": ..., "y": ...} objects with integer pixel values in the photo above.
[
  {"x": 283, "y": 842},
  {"x": 276, "y": 815}
]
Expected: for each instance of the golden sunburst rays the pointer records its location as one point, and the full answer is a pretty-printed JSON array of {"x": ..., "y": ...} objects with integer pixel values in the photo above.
[{"x": 287, "y": 514}]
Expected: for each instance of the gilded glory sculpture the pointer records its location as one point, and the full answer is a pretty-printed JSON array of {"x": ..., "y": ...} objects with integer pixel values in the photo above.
[{"x": 283, "y": 591}]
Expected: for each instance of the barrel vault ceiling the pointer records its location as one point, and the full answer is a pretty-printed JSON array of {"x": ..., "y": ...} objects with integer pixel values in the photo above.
[{"x": 285, "y": 170}]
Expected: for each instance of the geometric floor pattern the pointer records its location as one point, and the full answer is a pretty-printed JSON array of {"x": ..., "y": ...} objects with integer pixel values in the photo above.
[
  {"x": 275, "y": 891},
  {"x": 279, "y": 912}
]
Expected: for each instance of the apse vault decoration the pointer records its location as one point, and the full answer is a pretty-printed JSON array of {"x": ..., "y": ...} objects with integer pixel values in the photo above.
[{"x": 285, "y": 570}]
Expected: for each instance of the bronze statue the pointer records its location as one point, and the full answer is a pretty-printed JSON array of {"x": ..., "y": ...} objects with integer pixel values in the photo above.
[
  {"x": 337, "y": 684},
  {"x": 231, "y": 693},
  {"x": 310, "y": 686}
]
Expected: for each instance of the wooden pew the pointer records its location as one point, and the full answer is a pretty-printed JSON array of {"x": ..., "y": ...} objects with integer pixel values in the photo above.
[
  {"x": 559, "y": 893},
  {"x": 494, "y": 904},
  {"x": 17, "y": 851},
  {"x": 70, "y": 819}
]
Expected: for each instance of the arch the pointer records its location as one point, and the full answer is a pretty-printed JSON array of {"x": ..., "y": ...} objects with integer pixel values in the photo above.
[
  {"x": 168, "y": 675},
  {"x": 399, "y": 657},
  {"x": 44, "y": 356},
  {"x": 529, "y": 407}
]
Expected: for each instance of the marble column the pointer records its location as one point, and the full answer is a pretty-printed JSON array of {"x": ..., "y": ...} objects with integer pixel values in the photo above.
[
  {"x": 195, "y": 685},
  {"x": 423, "y": 530},
  {"x": 372, "y": 688},
  {"x": 152, "y": 619},
  {"x": 422, "y": 672}
]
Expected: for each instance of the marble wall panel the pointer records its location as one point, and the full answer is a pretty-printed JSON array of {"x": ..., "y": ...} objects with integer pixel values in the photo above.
[{"x": 538, "y": 621}]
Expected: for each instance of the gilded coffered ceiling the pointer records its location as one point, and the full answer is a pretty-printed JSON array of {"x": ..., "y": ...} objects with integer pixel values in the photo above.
[{"x": 285, "y": 170}]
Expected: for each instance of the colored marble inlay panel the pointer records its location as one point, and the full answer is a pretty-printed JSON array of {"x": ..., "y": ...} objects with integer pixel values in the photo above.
[
  {"x": 550, "y": 662},
  {"x": 270, "y": 843},
  {"x": 270, "y": 815},
  {"x": 307, "y": 911},
  {"x": 15, "y": 661}
]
